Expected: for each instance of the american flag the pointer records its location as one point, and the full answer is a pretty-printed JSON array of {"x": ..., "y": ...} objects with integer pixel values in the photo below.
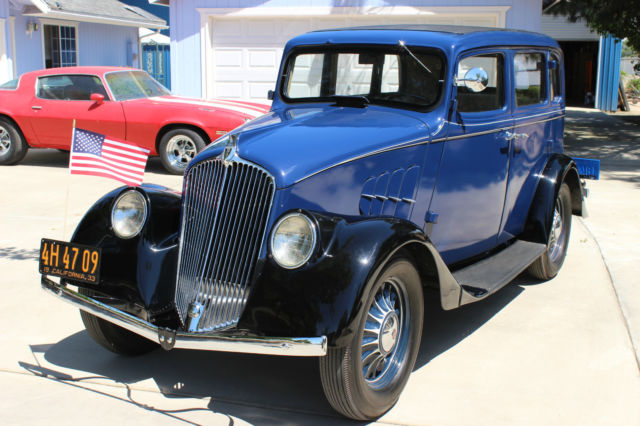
[{"x": 95, "y": 154}]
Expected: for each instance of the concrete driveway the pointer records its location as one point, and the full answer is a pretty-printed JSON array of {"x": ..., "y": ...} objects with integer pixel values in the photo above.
[{"x": 558, "y": 352}]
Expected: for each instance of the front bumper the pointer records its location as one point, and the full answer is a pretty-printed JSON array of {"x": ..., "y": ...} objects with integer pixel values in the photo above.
[{"x": 169, "y": 339}]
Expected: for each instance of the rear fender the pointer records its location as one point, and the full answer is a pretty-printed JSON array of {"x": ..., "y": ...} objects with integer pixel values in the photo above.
[{"x": 558, "y": 170}]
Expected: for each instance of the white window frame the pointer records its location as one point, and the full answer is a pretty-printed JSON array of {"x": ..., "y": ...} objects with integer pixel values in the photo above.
[{"x": 59, "y": 23}]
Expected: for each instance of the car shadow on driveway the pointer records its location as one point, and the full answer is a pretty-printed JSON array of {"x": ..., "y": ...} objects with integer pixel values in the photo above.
[{"x": 258, "y": 389}]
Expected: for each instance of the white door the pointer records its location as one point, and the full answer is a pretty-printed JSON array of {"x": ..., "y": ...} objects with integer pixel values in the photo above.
[{"x": 244, "y": 54}]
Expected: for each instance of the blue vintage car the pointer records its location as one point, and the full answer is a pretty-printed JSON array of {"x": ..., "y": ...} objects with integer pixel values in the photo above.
[{"x": 393, "y": 159}]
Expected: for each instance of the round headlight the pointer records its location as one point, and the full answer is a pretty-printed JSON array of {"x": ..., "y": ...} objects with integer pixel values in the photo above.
[
  {"x": 128, "y": 214},
  {"x": 293, "y": 240}
]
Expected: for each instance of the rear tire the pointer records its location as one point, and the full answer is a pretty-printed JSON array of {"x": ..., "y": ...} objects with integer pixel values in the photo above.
[
  {"x": 13, "y": 147},
  {"x": 549, "y": 263},
  {"x": 112, "y": 337},
  {"x": 364, "y": 379},
  {"x": 177, "y": 148}
]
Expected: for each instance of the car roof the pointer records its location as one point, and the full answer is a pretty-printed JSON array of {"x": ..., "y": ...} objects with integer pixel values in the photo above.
[
  {"x": 97, "y": 70},
  {"x": 449, "y": 38}
]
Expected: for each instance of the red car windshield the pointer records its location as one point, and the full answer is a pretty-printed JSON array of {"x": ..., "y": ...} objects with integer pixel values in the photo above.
[{"x": 126, "y": 85}]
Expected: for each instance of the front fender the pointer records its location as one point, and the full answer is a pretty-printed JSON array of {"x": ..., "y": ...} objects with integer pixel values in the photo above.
[
  {"x": 139, "y": 273},
  {"x": 559, "y": 168},
  {"x": 326, "y": 296}
]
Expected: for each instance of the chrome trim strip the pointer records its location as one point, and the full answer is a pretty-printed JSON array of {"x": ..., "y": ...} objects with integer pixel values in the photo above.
[
  {"x": 289, "y": 346},
  {"x": 425, "y": 140}
]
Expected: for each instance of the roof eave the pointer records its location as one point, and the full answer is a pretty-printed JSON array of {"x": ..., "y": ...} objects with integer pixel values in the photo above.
[{"x": 71, "y": 16}]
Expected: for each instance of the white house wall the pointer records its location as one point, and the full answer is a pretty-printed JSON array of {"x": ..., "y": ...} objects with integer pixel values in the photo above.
[
  {"x": 97, "y": 44},
  {"x": 559, "y": 28},
  {"x": 6, "y": 51},
  {"x": 193, "y": 64}
]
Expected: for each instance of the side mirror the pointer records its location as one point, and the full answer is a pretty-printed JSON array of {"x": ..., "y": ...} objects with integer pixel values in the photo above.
[
  {"x": 476, "y": 80},
  {"x": 270, "y": 94},
  {"x": 97, "y": 98}
]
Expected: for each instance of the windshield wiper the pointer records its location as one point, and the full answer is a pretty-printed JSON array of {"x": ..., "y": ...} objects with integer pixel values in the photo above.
[
  {"x": 401, "y": 44},
  {"x": 355, "y": 101}
]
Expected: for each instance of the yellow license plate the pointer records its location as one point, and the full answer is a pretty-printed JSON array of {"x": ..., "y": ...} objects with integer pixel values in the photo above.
[{"x": 69, "y": 260}]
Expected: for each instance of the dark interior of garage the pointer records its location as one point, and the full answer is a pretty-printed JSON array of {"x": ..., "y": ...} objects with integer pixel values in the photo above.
[{"x": 580, "y": 64}]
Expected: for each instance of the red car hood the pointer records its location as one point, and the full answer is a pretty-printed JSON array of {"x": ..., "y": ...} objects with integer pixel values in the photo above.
[{"x": 249, "y": 109}]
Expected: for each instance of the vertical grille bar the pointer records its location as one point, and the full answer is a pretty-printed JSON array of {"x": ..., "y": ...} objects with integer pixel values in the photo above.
[{"x": 225, "y": 210}]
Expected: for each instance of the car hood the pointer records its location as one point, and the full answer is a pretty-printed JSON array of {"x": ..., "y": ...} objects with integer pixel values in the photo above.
[
  {"x": 248, "y": 109},
  {"x": 296, "y": 143}
]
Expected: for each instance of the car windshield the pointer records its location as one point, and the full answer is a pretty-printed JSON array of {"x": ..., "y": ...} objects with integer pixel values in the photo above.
[
  {"x": 126, "y": 85},
  {"x": 390, "y": 75}
]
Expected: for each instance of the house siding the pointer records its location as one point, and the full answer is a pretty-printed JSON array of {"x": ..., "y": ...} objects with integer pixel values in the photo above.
[
  {"x": 98, "y": 44},
  {"x": 186, "y": 66}
]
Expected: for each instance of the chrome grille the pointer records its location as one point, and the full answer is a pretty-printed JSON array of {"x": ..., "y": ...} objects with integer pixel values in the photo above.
[{"x": 225, "y": 209}]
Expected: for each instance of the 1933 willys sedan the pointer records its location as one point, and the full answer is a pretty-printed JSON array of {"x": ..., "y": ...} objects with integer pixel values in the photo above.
[{"x": 392, "y": 159}]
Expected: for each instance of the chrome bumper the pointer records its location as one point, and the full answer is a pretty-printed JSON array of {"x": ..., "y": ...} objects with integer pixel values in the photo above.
[{"x": 168, "y": 339}]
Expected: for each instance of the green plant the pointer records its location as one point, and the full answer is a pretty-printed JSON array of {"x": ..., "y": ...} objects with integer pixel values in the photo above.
[{"x": 634, "y": 85}]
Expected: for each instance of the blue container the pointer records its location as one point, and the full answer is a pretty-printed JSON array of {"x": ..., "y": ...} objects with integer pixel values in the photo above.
[{"x": 588, "y": 168}]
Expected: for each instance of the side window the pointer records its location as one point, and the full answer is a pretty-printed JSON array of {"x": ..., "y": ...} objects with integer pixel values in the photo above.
[
  {"x": 492, "y": 97},
  {"x": 554, "y": 77},
  {"x": 530, "y": 78},
  {"x": 70, "y": 87}
]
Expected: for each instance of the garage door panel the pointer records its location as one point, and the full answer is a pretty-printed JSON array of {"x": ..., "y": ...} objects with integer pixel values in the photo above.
[{"x": 263, "y": 58}]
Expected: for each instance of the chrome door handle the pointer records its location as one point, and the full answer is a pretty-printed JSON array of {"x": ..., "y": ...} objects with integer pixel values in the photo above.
[
  {"x": 36, "y": 107},
  {"x": 510, "y": 135}
]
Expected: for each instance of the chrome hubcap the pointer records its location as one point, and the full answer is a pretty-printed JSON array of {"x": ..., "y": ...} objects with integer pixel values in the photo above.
[
  {"x": 386, "y": 335},
  {"x": 5, "y": 141},
  {"x": 556, "y": 237},
  {"x": 180, "y": 150}
]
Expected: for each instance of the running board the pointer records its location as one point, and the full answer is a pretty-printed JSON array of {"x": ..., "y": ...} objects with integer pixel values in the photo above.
[{"x": 491, "y": 274}]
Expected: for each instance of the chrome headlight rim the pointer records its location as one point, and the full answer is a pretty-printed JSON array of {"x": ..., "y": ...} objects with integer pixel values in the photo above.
[
  {"x": 314, "y": 238},
  {"x": 145, "y": 210}
]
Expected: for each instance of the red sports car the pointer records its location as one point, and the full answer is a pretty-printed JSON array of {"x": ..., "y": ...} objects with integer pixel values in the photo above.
[{"x": 37, "y": 110}]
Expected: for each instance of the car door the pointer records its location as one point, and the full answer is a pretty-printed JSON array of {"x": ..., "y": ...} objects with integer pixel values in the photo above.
[
  {"x": 536, "y": 111},
  {"x": 60, "y": 99},
  {"x": 472, "y": 180}
]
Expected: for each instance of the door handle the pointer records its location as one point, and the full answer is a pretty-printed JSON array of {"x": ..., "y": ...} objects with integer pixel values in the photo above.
[
  {"x": 510, "y": 135},
  {"x": 37, "y": 107},
  {"x": 517, "y": 148}
]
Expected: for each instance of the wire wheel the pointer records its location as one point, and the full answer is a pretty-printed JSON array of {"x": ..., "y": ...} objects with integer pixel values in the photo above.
[
  {"x": 385, "y": 337},
  {"x": 364, "y": 378},
  {"x": 556, "y": 235}
]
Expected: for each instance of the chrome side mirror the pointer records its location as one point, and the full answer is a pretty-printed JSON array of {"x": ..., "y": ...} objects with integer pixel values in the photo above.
[{"x": 476, "y": 80}]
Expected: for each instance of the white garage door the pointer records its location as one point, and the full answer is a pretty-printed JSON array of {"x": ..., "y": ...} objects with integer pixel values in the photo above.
[{"x": 244, "y": 54}]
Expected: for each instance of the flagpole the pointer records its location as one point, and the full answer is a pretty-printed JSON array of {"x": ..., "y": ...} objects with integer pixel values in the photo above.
[{"x": 66, "y": 204}]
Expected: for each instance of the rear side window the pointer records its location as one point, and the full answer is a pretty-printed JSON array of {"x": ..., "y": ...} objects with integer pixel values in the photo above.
[
  {"x": 530, "y": 78},
  {"x": 492, "y": 97},
  {"x": 70, "y": 87},
  {"x": 554, "y": 76},
  {"x": 10, "y": 85}
]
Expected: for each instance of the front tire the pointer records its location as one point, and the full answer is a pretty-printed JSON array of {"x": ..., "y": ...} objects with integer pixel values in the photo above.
[
  {"x": 549, "y": 263},
  {"x": 364, "y": 379},
  {"x": 178, "y": 147},
  {"x": 112, "y": 337},
  {"x": 13, "y": 147}
]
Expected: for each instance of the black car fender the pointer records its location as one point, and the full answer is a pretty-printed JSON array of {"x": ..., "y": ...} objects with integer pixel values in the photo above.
[
  {"x": 326, "y": 295},
  {"x": 559, "y": 169},
  {"x": 138, "y": 273}
]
